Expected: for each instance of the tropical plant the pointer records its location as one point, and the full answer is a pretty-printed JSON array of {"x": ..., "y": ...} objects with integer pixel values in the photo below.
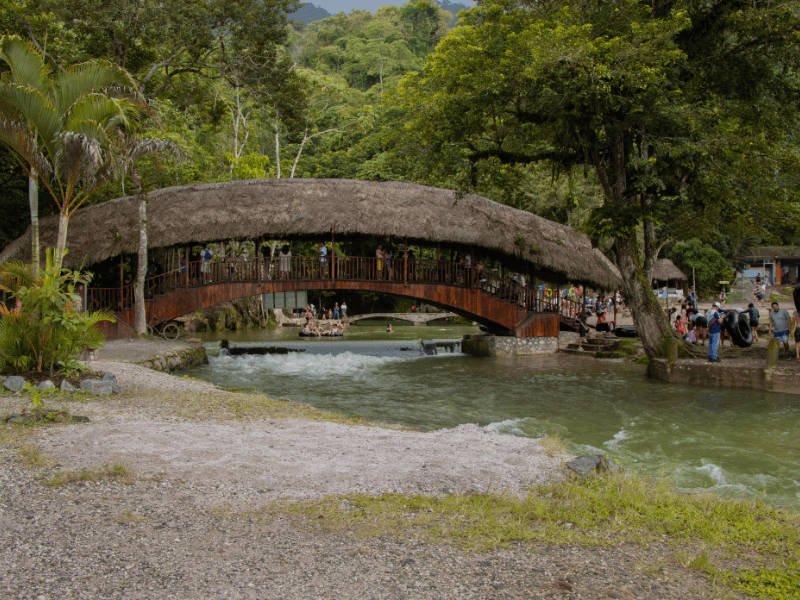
[
  {"x": 61, "y": 127},
  {"x": 49, "y": 327}
]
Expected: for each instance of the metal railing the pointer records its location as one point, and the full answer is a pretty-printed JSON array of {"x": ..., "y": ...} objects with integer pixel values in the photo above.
[{"x": 341, "y": 268}]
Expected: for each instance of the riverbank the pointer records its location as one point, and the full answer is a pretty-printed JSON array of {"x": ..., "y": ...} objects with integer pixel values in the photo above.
[{"x": 177, "y": 489}]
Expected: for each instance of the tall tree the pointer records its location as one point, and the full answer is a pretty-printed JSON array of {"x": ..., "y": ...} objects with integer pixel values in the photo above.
[
  {"x": 659, "y": 99},
  {"x": 60, "y": 127},
  {"x": 130, "y": 150}
]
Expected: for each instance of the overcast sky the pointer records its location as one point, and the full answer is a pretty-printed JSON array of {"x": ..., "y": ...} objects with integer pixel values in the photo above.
[{"x": 336, "y": 6}]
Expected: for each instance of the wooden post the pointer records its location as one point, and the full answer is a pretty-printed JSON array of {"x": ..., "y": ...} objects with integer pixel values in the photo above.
[
  {"x": 186, "y": 262},
  {"x": 259, "y": 261},
  {"x": 405, "y": 262},
  {"x": 583, "y": 301},
  {"x": 121, "y": 282},
  {"x": 333, "y": 256}
]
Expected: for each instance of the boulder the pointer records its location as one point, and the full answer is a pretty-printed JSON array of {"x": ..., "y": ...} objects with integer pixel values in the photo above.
[
  {"x": 45, "y": 385},
  {"x": 98, "y": 387},
  {"x": 583, "y": 465},
  {"x": 66, "y": 386},
  {"x": 111, "y": 378},
  {"x": 589, "y": 465},
  {"x": 14, "y": 383}
]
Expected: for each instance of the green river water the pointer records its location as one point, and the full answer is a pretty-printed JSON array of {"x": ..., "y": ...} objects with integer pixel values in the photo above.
[{"x": 733, "y": 443}]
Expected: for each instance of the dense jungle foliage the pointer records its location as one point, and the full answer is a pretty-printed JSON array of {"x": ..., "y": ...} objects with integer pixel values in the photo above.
[{"x": 515, "y": 100}]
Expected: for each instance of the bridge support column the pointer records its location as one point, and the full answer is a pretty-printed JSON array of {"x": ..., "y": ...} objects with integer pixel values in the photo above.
[{"x": 506, "y": 346}]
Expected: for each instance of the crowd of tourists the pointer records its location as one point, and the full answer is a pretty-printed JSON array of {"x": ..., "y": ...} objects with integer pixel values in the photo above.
[
  {"x": 696, "y": 326},
  {"x": 332, "y": 326}
]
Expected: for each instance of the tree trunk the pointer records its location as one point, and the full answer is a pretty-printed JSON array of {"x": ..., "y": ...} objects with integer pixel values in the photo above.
[
  {"x": 141, "y": 271},
  {"x": 33, "y": 201},
  {"x": 277, "y": 144},
  {"x": 651, "y": 324},
  {"x": 61, "y": 241}
]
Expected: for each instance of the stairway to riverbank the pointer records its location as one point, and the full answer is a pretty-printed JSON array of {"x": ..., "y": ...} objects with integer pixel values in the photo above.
[{"x": 592, "y": 345}]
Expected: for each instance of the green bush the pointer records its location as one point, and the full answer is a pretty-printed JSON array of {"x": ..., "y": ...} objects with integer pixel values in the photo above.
[{"x": 48, "y": 328}]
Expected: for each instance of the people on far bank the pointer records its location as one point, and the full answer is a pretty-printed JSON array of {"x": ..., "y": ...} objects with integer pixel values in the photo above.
[
  {"x": 714, "y": 318},
  {"x": 780, "y": 324}
]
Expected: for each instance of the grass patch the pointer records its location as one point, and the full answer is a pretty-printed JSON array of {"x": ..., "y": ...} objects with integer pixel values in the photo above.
[
  {"x": 117, "y": 471},
  {"x": 741, "y": 545},
  {"x": 621, "y": 349},
  {"x": 32, "y": 457},
  {"x": 130, "y": 518},
  {"x": 553, "y": 444}
]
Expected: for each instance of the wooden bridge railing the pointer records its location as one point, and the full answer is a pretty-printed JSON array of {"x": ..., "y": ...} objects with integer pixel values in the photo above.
[{"x": 344, "y": 268}]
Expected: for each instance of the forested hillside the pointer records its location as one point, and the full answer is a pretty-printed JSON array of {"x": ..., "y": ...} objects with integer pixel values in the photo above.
[{"x": 247, "y": 91}]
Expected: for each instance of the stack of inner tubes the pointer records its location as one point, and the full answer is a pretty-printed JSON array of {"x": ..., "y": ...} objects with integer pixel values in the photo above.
[{"x": 738, "y": 327}]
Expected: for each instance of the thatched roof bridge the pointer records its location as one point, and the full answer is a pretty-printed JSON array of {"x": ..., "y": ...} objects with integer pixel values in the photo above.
[
  {"x": 317, "y": 208},
  {"x": 322, "y": 210}
]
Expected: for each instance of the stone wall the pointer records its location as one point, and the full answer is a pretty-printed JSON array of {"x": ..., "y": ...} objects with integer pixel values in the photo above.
[
  {"x": 734, "y": 375},
  {"x": 492, "y": 345},
  {"x": 565, "y": 338},
  {"x": 177, "y": 360}
]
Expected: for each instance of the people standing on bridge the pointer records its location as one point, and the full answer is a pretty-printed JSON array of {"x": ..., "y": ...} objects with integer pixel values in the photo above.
[
  {"x": 380, "y": 259},
  {"x": 344, "y": 309},
  {"x": 480, "y": 271},
  {"x": 285, "y": 261},
  {"x": 389, "y": 264},
  {"x": 205, "y": 264},
  {"x": 323, "y": 260},
  {"x": 336, "y": 310},
  {"x": 467, "y": 262}
]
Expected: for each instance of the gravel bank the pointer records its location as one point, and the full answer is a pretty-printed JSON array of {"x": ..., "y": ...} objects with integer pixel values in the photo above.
[{"x": 171, "y": 533}]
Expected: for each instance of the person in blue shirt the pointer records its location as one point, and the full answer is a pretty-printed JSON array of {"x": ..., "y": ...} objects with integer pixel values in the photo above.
[{"x": 714, "y": 318}]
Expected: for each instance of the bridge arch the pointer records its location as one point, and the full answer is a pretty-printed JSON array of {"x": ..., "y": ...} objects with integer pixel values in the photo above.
[{"x": 522, "y": 319}]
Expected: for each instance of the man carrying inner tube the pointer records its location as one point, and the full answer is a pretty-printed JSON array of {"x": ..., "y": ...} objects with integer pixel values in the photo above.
[
  {"x": 780, "y": 324},
  {"x": 714, "y": 318}
]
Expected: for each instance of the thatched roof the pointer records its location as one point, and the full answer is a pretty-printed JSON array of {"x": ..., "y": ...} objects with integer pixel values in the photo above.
[
  {"x": 284, "y": 208},
  {"x": 772, "y": 252},
  {"x": 665, "y": 270}
]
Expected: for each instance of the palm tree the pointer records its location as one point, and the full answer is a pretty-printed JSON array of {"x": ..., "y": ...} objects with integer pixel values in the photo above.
[{"x": 61, "y": 127}]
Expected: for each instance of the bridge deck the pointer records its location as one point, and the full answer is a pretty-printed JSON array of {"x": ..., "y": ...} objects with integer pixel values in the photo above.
[{"x": 478, "y": 295}]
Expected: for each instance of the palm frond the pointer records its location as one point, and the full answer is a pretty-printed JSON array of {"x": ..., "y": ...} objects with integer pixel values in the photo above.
[
  {"x": 18, "y": 138},
  {"x": 80, "y": 158},
  {"x": 34, "y": 111},
  {"x": 27, "y": 64},
  {"x": 84, "y": 78}
]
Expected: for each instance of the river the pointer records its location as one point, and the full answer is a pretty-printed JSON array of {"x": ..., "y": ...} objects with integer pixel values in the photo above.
[{"x": 732, "y": 443}]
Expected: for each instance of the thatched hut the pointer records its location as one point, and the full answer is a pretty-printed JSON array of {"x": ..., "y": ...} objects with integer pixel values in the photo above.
[
  {"x": 319, "y": 208},
  {"x": 665, "y": 270}
]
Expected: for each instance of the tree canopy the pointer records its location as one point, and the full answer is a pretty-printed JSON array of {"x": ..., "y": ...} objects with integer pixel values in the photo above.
[{"x": 685, "y": 112}]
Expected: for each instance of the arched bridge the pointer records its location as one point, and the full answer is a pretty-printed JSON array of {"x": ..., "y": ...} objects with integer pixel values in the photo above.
[
  {"x": 500, "y": 304},
  {"x": 349, "y": 217},
  {"x": 416, "y": 318}
]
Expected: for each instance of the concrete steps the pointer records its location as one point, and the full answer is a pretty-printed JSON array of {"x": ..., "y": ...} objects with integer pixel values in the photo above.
[{"x": 592, "y": 345}]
